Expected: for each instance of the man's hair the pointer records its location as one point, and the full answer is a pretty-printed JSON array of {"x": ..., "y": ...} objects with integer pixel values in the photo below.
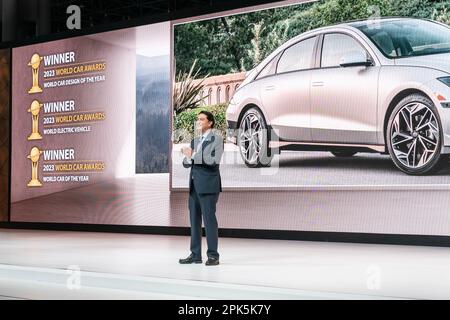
[{"x": 209, "y": 116}]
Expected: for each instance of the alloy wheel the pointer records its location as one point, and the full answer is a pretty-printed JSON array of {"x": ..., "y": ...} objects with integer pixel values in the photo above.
[
  {"x": 251, "y": 137},
  {"x": 415, "y": 135}
]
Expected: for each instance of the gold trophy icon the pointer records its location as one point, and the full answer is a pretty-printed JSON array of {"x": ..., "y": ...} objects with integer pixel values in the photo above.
[
  {"x": 34, "y": 110},
  {"x": 34, "y": 155},
  {"x": 34, "y": 64}
]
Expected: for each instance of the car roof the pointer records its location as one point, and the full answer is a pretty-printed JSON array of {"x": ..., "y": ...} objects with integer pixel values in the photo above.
[
  {"x": 351, "y": 24},
  {"x": 360, "y": 22}
]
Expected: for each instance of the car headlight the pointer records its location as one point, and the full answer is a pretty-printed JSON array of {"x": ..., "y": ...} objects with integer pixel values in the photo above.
[{"x": 445, "y": 80}]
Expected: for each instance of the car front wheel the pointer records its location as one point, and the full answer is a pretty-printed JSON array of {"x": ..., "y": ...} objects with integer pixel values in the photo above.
[{"x": 414, "y": 136}]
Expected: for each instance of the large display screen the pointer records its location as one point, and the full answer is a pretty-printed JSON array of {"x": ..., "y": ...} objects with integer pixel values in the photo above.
[
  {"x": 334, "y": 118},
  {"x": 88, "y": 115},
  {"x": 328, "y": 124}
]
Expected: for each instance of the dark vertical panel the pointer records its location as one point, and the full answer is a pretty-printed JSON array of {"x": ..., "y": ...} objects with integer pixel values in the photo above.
[
  {"x": 9, "y": 19},
  {"x": 4, "y": 132},
  {"x": 44, "y": 17}
]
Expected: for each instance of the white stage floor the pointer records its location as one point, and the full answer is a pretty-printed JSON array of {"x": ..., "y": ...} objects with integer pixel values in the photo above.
[{"x": 44, "y": 264}]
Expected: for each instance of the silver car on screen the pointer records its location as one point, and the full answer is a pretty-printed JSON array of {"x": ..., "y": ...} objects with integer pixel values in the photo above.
[{"x": 363, "y": 86}]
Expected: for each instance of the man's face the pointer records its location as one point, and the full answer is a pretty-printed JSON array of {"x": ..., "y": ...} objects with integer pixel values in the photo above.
[{"x": 202, "y": 122}]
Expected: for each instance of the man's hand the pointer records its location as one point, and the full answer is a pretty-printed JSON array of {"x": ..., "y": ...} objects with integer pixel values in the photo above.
[{"x": 187, "y": 152}]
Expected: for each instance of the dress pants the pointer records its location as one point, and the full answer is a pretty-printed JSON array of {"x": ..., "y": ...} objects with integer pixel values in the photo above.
[{"x": 203, "y": 205}]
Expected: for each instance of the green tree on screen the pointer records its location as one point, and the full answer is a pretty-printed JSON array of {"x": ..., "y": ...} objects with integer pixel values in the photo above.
[{"x": 238, "y": 43}]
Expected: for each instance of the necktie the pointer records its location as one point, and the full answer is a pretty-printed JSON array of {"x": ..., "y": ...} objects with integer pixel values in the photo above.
[{"x": 200, "y": 144}]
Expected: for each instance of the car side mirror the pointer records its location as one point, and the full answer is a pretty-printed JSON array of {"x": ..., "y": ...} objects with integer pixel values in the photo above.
[{"x": 355, "y": 58}]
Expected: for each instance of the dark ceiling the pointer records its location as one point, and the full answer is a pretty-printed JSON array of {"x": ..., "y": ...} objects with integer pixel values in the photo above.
[
  {"x": 97, "y": 12},
  {"x": 24, "y": 19}
]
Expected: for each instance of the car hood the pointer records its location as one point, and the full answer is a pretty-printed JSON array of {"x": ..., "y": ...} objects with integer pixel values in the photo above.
[{"x": 439, "y": 61}]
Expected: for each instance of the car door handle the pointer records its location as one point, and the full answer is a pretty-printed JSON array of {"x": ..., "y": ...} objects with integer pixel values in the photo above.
[
  {"x": 270, "y": 87},
  {"x": 317, "y": 84}
]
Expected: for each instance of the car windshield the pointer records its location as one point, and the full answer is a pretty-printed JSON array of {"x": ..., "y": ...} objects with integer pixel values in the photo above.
[{"x": 406, "y": 38}]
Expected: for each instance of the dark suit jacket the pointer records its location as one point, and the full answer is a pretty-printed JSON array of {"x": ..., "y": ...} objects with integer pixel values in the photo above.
[{"x": 205, "y": 164}]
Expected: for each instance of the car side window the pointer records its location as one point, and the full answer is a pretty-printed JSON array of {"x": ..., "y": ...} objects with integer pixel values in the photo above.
[
  {"x": 297, "y": 57},
  {"x": 335, "y": 46},
  {"x": 269, "y": 69}
]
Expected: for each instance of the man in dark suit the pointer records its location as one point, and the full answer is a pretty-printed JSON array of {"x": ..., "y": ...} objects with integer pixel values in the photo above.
[{"x": 203, "y": 157}]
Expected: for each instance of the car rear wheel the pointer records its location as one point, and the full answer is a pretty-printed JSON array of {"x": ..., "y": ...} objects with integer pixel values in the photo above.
[
  {"x": 414, "y": 136},
  {"x": 253, "y": 139}
]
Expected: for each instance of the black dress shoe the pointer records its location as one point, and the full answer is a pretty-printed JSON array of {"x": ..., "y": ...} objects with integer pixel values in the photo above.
[
  {"x": 190, "y": 259},
  {"x": 212, "y": 261}
]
